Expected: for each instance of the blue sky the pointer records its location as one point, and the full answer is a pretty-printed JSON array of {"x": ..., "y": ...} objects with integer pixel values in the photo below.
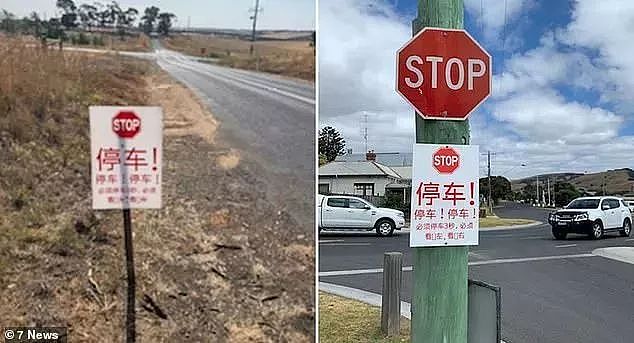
[
  {"x": 562, "y": 78},
  {"x": 232, "y": 14}
]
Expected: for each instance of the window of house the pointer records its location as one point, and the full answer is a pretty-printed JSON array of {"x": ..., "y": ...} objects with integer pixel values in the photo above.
[
  {"x": 364, "y": 188},
  {"x": 324, "y": 188}
]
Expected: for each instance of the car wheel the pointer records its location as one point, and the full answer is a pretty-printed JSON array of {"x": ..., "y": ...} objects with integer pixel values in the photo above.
[
  {"x": 627, "y": 228},
  {"x": 384, "y": 228},
  {"x": 597, "y": 230},
  {"x": 559, "y": 235}
]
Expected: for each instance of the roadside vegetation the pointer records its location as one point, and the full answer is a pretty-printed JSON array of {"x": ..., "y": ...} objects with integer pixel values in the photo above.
[
  {"x": 294, "y": 58},
  {"x": 343, "y": 320},
  {"x": 95, "y": 25}
]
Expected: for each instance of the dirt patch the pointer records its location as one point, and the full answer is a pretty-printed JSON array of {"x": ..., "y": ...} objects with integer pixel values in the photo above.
[{"x": 184, "y": 114}]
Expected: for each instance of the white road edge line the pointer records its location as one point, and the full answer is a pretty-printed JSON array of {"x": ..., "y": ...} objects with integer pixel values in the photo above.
[
  {"x": 473, "y": 263},
  {"x": 366, "y": 297},
  {"x": 331, "y": 241},
  {"x": 345, "y": 244}
]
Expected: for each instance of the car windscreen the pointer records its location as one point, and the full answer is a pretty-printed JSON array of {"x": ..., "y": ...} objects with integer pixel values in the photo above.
[{"x": 583, "y": 204}]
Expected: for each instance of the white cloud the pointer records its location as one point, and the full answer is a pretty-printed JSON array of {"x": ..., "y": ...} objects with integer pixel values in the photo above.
[
  {"x": 606, "y": 27},
  {"x": 490, "y": 14},
  {"x": 357, "y": 44},
  {"x": 544, "y": 116}
]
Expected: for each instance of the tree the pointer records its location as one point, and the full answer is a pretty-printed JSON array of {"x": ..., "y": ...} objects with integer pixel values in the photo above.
[
  {"x": 500, "y": 188},
  {"x": 565, "y": 193},
  {"x": 68, "y": 6},
  {"x": 8, "y": 21},
  {"x": 35, "y": 23},
  {"x": 165, "y": 23},
  {"x": 69, "y": 17},
  {"x": 149, "y": 18},
  {"x": 88, "y": 15},
  {"x": 331, "y": 144},
  {"x": 125, "y": 19},
  {"x": 322, "y": 160}
]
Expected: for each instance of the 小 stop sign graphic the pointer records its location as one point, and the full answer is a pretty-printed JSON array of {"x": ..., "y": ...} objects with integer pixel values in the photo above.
[
  {"x": 443, "y": 73},
  {"x": 446, "y": 160},
  {"x": 126, "y": 124}
]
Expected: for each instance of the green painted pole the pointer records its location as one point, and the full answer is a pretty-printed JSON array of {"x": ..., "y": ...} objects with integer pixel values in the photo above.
[{"x": 439, "y": 302}]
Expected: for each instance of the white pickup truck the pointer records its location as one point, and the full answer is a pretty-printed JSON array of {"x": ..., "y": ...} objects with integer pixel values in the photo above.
[{"x": 337, "y": 212}]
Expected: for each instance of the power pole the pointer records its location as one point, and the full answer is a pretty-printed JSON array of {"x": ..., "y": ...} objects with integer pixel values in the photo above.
[
  {"x": 549, "y": 203},
  {"x": 537, "y": 199},
  {"x": 365, "y": 130},
  {"x": 489, "y": 173},
  {"x": 439, "y": 301},
  {"x": 254, "y": 17}
]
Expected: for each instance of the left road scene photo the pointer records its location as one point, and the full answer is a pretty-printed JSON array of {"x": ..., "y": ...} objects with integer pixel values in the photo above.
[{"x": 157, "y": 170}]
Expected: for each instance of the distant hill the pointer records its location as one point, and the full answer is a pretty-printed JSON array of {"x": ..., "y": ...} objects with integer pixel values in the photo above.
[{"x": 617, "y": 181}]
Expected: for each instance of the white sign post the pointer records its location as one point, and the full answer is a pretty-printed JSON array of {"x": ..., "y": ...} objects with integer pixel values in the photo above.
[
  {"x": 126, "y": 156},
  {"x": 445, "y": 195},
  {"x": 126, "y": 146}
]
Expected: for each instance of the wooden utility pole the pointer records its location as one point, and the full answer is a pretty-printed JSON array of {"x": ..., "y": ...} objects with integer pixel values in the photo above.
[
  {"x": 255, "y": 20},
  {"x": 439, "y": 301}
]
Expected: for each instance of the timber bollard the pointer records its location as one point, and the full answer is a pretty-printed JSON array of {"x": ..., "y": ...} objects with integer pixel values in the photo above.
[{"x": 391, "y": 295}]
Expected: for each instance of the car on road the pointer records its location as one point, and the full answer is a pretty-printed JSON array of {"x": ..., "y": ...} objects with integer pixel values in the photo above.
[
  {"x": 336, "y": 212},
  {"x": 593, "y": 216}
]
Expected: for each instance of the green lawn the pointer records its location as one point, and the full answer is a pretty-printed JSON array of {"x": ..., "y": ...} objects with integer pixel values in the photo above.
[
  {"x": 493, "y": 221},
  {"x": 342, "y": 321}
]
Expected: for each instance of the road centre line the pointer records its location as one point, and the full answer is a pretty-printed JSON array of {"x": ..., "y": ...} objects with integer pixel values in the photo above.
[
  {"x": 532, "y": 237},
  {"x": 565, "y": 246},
  {"x": 474, "y": 263}
]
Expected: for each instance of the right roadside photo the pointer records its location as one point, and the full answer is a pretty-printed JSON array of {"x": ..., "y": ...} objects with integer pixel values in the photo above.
[{"x": 475, "y": 181}]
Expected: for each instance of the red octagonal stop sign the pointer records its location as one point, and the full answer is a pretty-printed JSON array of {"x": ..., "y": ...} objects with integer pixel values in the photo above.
[
  {"x": 446, "y": 160},
  {"x": 443, "y": 73},
  {"x": 126, "y": 124}
]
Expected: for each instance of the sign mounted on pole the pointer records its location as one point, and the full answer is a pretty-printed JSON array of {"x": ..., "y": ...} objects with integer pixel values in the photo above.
[
  {"x": 445, "y": 195},
  {"x": 126, "y": 156},
  {"x": 443, "y": 73}
]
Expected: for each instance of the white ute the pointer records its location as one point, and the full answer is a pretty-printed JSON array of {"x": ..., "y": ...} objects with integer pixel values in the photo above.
[
  {"x": 593, "y": 216},
  {"x": 351, "y": 213}
]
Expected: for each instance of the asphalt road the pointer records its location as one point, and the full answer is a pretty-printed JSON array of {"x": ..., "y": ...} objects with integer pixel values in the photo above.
[
  {"x": 269, "y": 118},
  {"x": 552, "y": 291}
]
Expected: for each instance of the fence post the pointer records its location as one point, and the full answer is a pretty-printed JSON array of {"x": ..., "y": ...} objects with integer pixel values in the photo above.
[{"x": 391, "y": 296}]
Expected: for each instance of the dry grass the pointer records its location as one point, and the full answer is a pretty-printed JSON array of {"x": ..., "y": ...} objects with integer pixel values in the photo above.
[
  {"x": 342, "y": 320},
  {"x": 289, "y": 58},
  {"x": 140, "y": 43}
]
